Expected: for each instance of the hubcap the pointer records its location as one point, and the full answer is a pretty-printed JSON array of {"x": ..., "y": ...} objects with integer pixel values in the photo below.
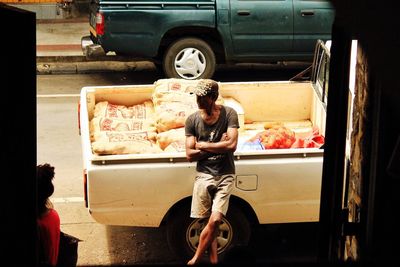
[
  {"x": 224, "y": 236},
  {"x": 190, "y": 63}
]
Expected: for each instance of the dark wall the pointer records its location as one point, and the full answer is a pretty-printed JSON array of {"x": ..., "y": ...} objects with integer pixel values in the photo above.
[
  {"x": 18, "y": 136},
  {"x": 376, "y": 27}
]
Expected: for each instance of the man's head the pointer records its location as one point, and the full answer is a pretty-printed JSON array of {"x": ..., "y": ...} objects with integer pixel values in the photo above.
[
  {"x": 206, "y": 92},
  {"x": 207, "y": 87}
]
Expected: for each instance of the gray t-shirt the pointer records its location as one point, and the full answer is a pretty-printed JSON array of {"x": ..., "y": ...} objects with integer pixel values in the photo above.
[{"x": 215, "y": 163}]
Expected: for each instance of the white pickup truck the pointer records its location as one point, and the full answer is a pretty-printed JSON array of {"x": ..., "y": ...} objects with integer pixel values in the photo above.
[{"x": 271, "y": 185}]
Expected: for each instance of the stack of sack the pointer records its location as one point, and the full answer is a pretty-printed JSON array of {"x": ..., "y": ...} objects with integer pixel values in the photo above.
[
  {"x": 118, "y": 129},
  {"x": 154, "y": 126},
  {"x": 173, "y": 103}
]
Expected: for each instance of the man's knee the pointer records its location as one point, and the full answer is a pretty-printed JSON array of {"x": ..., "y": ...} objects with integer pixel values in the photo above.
[{"x": 215, "y": 219}]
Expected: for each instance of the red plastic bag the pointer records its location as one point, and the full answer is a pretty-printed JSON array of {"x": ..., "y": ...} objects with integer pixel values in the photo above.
[{"x": 315, "y": 140}]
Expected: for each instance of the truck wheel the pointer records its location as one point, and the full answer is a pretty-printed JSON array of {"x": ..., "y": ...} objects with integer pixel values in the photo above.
[
  {"x": 183, "y": 232},
  {"x": 190, "y": 59}
]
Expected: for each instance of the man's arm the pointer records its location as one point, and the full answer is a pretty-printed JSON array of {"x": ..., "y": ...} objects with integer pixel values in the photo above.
[
  {"x": 228, "y": 143},
  {"x": 193, "y": 154}
]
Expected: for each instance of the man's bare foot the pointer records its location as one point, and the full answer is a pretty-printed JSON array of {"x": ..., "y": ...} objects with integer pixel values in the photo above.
[
  {"x": 213, "y": 261},
  {"x": 191, "y": 262}
]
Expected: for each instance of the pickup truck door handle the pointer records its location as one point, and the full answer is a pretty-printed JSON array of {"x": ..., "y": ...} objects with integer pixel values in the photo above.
[
  {"x": 243, "y": 12},
  {"x": 307, "y": 12}
]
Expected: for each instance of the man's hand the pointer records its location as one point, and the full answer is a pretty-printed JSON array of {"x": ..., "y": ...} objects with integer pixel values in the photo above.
[
  {"x": 227, "y": 143},
  {"x": 224, "y": 137},
  {"x": 192, "y": 152},
  {"x": 200, "y": 145},
  {"x": 204, "y": 145}
]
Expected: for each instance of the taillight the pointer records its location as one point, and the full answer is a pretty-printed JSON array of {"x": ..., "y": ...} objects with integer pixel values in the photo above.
[
  {"x": 100, "y": 23},
  {"x": 85, "y": 187}
]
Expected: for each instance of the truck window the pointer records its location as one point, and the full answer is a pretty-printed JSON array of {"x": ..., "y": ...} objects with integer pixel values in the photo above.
[
  {"x": 323, "y": 77},
  {"x": 320, "y": 72}
]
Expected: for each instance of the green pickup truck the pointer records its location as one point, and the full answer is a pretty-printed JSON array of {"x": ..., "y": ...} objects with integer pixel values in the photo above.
[{"x": 188, "y": 38}]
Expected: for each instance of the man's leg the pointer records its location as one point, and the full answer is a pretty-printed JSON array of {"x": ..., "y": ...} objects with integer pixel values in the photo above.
[
  {"x": 206, "y": 239},
  {"x": 214, "y": 251}
]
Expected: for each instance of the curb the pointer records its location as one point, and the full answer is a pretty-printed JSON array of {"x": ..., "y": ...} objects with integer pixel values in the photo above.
[
  {"x": 91, "y": 67},
  {"x": 81, "y": 65}
]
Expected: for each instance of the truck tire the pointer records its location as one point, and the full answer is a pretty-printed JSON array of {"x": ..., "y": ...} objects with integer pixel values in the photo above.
[
  {"x": 190, "y": 59},
  {"x": 183, "y": 232}
]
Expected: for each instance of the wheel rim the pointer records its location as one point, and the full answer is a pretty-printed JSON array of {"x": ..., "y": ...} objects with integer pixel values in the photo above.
[
  {"x": 224, "y": 236},
  {"x": 190, "y": 63}
]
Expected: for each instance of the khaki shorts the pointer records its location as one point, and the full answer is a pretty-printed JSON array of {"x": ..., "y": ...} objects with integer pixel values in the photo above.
[{"x": 206, "y": 186}]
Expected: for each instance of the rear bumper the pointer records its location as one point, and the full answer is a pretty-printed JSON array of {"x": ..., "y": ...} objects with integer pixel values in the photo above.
[{"x": 91, "y": 49}]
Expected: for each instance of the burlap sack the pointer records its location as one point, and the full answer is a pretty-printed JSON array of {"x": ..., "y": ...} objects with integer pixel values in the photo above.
[
  {"x": 176, "y": 146},
  {"x": 176, "y": 90},
  {"x": 164, "y": 139},
  {"x": 114, "y": 143},
  {"x": 125, "y": 136},
  {"x": 144, "y": 111},
  {"x": 173, "y": 102},
  {"x": 99, "y": 124},
  {"x": 172, "y": 115}
]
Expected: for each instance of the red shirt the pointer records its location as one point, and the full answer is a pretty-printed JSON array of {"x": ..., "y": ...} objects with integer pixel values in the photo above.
[{"x": 49, "y": 235}]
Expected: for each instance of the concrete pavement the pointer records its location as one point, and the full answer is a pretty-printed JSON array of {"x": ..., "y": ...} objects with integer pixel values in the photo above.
[{"x": 61, "y": 37}]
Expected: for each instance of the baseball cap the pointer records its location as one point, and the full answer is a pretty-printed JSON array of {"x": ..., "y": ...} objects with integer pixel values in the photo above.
[{"x": 205, "y": 87}]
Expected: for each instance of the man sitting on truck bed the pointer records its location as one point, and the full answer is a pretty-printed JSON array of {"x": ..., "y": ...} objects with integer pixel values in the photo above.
[{"x": 211, "y": 139}]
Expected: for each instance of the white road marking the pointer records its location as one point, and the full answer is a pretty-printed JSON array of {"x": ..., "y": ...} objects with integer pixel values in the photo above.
[{"x": 58, "y": 95}]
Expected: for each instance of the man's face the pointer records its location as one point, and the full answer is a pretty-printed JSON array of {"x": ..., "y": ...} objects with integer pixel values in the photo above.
[{"x": 203, "y": 102}]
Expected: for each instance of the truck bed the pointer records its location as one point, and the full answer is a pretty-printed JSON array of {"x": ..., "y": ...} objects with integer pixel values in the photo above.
[
  {"x": 291, "y": 104},
  {"x": 281, "y": 185}
]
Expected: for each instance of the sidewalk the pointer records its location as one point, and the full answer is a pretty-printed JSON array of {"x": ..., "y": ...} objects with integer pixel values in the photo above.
[
  {"x": 60, "y": 37},
  {"x": 58, "y": 49}
]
